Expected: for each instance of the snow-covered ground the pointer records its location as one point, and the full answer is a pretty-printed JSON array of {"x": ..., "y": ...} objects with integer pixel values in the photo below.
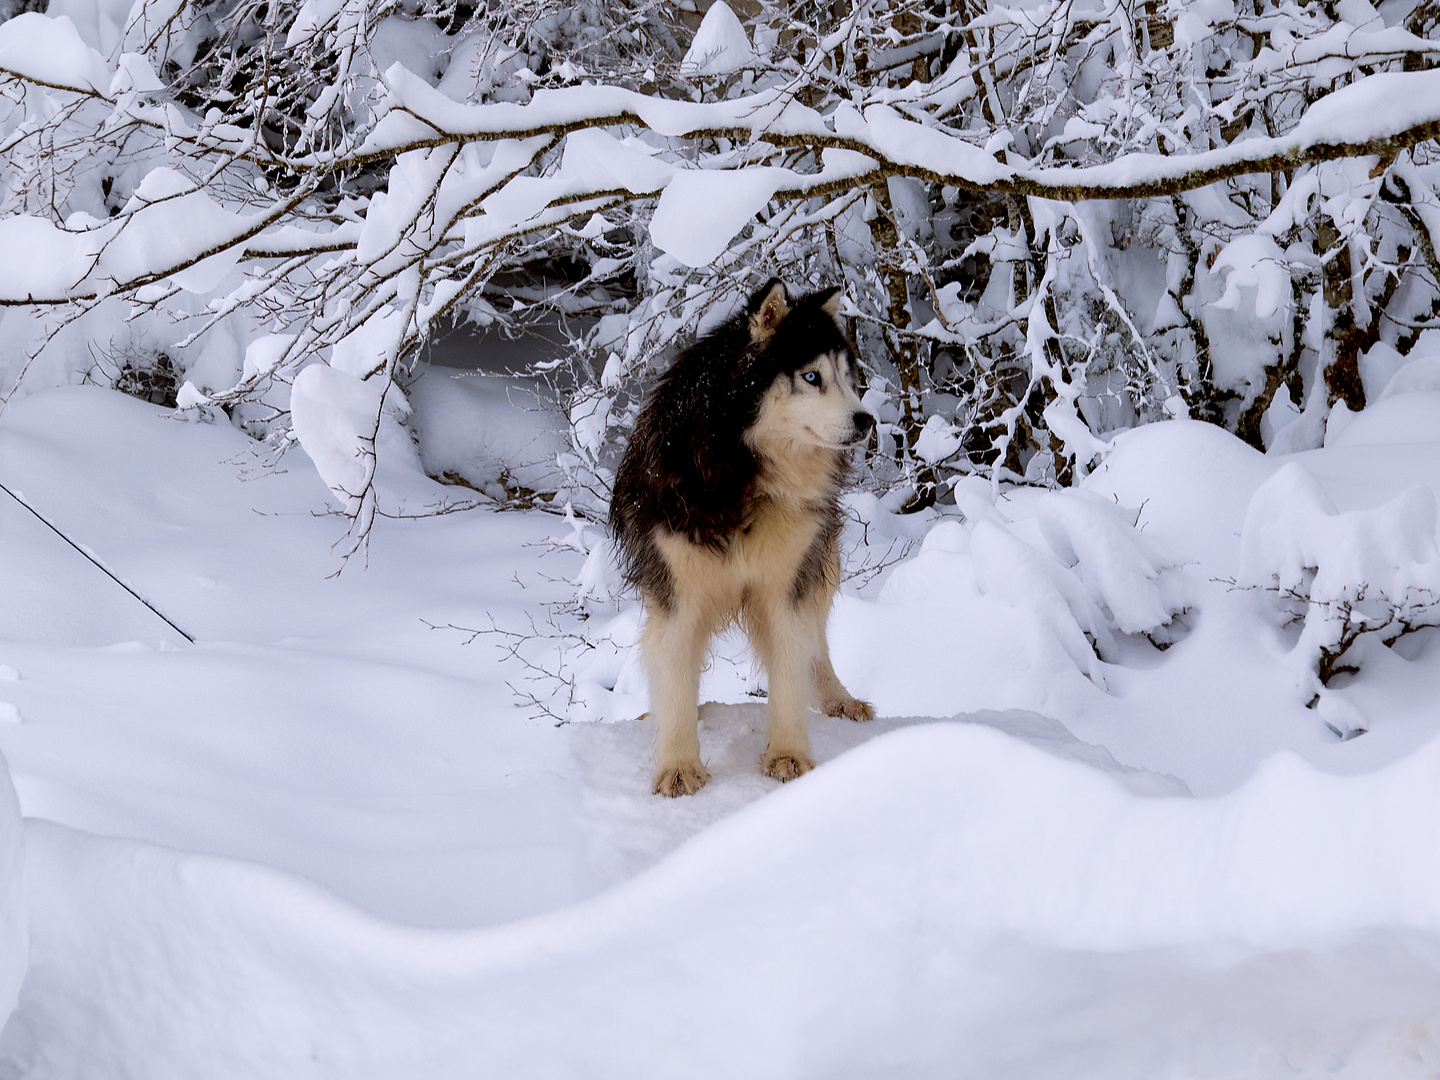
[{"x": 327, "y": 838}]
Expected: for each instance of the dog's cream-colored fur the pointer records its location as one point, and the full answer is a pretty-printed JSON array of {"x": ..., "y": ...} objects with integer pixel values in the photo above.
[{"x": 796, "y": 436}]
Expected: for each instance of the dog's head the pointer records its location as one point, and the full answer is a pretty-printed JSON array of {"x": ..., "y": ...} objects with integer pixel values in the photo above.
[{"x": 811, "y": 396}]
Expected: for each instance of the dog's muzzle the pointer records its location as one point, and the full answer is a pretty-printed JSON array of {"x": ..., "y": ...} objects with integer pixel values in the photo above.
[{"x": 863, "y": 423}]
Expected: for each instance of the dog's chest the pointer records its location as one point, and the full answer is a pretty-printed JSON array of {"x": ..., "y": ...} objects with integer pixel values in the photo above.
[
  {"x": 762, "y": 557},
  {"x": 774, "y": 537}
]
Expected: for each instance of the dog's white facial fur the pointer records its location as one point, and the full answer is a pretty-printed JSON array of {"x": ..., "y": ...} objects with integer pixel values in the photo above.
[{"x": 816, "y": 406}]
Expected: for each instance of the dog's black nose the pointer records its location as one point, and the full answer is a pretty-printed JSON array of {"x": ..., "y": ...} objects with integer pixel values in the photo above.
[{"x": 863, "y": 422}]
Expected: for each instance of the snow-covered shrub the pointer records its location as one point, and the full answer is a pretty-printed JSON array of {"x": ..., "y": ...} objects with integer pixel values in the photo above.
[
  {"x": 1052, "y": 221},
  {"x": 1091, "y": 577},
  {"x": 1348, "y": 579},
  {"x": 146, "y": 373}
]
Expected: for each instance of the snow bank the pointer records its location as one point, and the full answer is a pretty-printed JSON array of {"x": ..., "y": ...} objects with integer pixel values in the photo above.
[
  {"x": 488, "y": 431},
  {"x": 1407, "y": 416},
  {"x": 941, "y": 901},
  {"x": 1419, "y": 374},
  {"x": 627, "y": 831},
  {"x": 1060, "y": 576},
  {"x": 1223, "y": 695},
  {"x": 1192, "y": 482}
]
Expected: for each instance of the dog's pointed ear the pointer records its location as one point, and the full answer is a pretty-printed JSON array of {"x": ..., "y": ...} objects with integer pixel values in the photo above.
[
  {"x": 831, "y": 300},
  {"x": 767, "y": 307}
]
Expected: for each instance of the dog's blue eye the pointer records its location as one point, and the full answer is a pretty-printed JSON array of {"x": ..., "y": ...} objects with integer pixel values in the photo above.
[{"x": 812, "y": 377}]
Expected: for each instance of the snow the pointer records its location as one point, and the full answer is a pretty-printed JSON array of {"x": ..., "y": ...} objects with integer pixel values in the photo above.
[
  {"x": 1371, "y": 561},
  {"x": 49, "y": 50},
  {"x": 720, "y": 45},
  {"x": 14, "y": 925},
  {"x": 166, "y": 227},
  {"x": 1292, "y": 527},
  {"x": 430, "y": 110},
  {"x": 1418, "y": 374},
  {"x": 938, "y": 440},
  {"x": 700, "y": 211},
  {"x": 1126, "y": 572},
  {"x": 412, "y": 183},
  {"x": 1368, "y": 110},
  {"x": 1349, "y": 115},
  {"x": 487, "y": 430},
  {"x": 334, "y": 413},
  {"x": 166, "y": 223},
  {"x": 798, "y": 937},
  {"x": 1255, "y": 261},
  {"x": 30, "y": 243},
  {"x": 320, "y": 725},
  {"x": 592, "y": 160},
  {"x": 329, "y": 840},
  {"x": 908, "y": 143},
  {"x": 1372, "y": 108},
  {"x": 1396, "y": 419},
  {"x": 103, "y": 23}
]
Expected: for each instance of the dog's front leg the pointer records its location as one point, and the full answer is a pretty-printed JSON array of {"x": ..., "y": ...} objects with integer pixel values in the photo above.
[
  {"x": 674, "y": 646},
  {"x": 784, "y": 636}
]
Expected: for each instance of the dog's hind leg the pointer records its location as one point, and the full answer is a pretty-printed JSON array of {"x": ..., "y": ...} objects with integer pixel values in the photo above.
[
  {"x": 830, "y": 693},
  {"x": 784, "y": 636},
  {"x": 834, "y": 699},
  {"x": 674, "y": 646}
]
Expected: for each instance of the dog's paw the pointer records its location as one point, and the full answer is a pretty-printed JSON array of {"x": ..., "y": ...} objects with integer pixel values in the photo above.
[
  {"x": 683, "y": 779},
  {"x": 786, "y": 767},
  {"x": 848, "y": 707}
]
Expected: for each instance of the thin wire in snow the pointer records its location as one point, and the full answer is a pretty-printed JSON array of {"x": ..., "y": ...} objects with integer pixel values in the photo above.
[{"x": 103, "y": 569}]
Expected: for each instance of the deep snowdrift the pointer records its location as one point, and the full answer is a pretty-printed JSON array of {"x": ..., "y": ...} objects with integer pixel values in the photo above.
[{"x": 944, "y": 901}]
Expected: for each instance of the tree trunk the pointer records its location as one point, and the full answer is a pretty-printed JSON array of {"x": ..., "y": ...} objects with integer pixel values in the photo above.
[{"x": 1342, "y": 374}]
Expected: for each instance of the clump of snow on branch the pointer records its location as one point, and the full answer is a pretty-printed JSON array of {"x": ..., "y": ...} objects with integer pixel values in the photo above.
[{"x": 720, "y": 45}]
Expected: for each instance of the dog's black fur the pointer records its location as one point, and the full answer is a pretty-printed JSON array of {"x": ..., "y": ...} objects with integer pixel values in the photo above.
[{"x": 687, "y": 467}]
